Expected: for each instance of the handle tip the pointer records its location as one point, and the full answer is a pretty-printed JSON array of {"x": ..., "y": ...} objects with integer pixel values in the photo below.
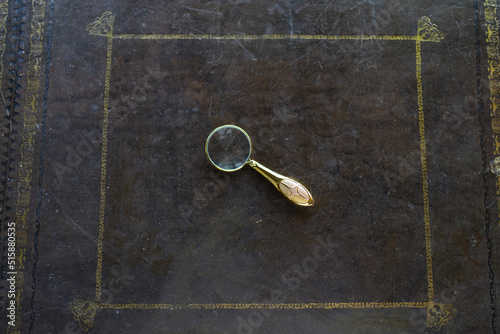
[{"x": 296, "y": 192}]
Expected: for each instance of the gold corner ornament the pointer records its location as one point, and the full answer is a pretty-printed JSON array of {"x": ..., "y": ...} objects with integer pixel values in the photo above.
[
  {"x": 83, "y": 312},
  {"x": 438, "y": 315},
  {"x": 103, "y": 25},
  {"x": 428, "y": 31}
]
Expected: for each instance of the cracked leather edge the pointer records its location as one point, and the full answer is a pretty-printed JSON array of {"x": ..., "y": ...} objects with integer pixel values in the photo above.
[{"x": 12, "y": 69}]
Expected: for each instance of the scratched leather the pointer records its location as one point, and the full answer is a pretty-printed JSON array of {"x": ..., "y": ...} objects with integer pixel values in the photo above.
[{"x": 340, "y": 116}]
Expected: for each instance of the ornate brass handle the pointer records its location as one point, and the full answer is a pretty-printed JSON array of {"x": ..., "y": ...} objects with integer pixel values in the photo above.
[{"x": 290, "y": 188}]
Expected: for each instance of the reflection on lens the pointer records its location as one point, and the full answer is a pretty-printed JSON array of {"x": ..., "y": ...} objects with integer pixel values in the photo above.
[{"x": 228, "y": 148}]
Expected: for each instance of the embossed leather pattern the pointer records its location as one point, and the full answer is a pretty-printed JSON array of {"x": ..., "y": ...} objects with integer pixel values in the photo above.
[{"x": 114, "y": 220}]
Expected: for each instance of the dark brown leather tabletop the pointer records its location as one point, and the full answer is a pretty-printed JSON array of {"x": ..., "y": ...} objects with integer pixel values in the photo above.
[{"x": 115, "y": 221}]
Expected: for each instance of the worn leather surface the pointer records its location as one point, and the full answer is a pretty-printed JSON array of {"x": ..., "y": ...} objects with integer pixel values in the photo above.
[{"x": 131, "y": 230}]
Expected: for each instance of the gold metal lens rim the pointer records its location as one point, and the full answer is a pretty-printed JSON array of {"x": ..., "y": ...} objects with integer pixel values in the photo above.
[{"x": 234, "y": 127}]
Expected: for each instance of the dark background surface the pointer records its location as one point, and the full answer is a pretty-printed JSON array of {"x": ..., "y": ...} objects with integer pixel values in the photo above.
[{"x": 340, "y": 116}]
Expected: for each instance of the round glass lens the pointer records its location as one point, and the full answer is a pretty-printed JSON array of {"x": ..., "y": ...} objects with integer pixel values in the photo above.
[{"x": 228, "y": 147}]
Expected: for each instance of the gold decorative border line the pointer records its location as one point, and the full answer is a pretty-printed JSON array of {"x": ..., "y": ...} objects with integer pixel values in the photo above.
[
  {"x": 438, "y": 315},
  {"x": 425, "y": 182},
  {"x": 104, "y": 154},
  {"x": 427, "y": 31},
  {"x": 33, "y": 75},
  {"x": 103, "y": 26},
  {"x": 262, "y": 306},
  {"x": 268, "y": 37}
]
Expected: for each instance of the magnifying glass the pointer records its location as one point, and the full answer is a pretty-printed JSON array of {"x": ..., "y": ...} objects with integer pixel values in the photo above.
[{"x": 229, "y": 147}]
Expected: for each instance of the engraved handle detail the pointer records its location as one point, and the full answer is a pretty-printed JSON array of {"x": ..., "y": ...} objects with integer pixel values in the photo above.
[{"x": 290, "y": 188}]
